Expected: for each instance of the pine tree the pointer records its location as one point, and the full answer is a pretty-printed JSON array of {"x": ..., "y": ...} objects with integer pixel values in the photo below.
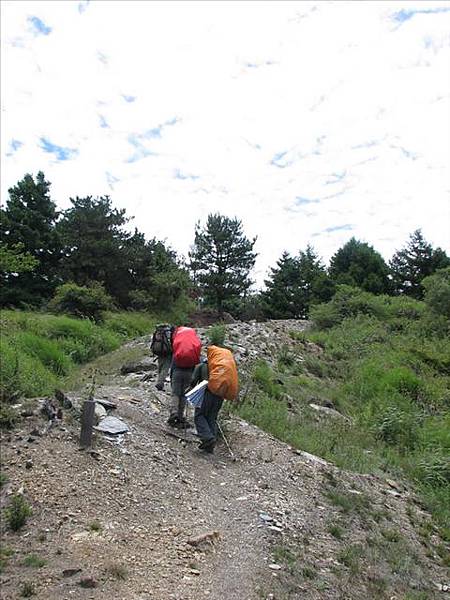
[
  {"x": 295, "y": 284},
  {"x": 417, "y": 260},
  {"x": 221, "y": 259},
  {"x": 28, "y": 223},
  {"x": 282, "y": 296},
  {"x": 359, "y": 265},
  {"x": 94, "y": 238}
]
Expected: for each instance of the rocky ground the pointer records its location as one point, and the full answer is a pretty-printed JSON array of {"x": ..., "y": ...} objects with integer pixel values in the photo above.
[{"x": 146, "y": 515}]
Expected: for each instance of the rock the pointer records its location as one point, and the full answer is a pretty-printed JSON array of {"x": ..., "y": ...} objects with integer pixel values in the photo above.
[
  {"x": 312, "y": 458},
  {"x": 266, "y": 518},
  {"x": 71, "y": 572},
  {"x": 99, "y": 412},
  {"x": 328, "y": 411},
  {"x": 112, "y": 425},
  {"x": 138, "y": 367},
  {"x": 209, "y": 537},
  {"x": 275, "y": 567},
  {"x": 106, "y": 403},
  {"x": 88, "y": 583},
  {"x": 51, "y": 410},
  {"x": 393, "y": 484},
  {"x": 64, "y": 401}
]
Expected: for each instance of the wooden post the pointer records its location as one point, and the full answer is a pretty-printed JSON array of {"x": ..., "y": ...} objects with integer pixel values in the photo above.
[{"x": 87, "y": 422}]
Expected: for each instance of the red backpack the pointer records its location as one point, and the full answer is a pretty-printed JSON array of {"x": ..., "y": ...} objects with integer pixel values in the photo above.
[{"x": 186, "y": 347}]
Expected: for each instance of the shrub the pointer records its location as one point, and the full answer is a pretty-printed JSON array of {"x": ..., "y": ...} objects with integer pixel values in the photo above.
[
  {"x": 325, "y": 316},
  {"x": 216, "y": 334},
  {"x": 28, "y": 590},
  {"x": 348, "y": 302},
  {"x": 8, "y": 416},
  {"x": 286, "y": 358},
  {"x": 82, "y": 301},
  {"x": 35, "y": 561},
  {"x": 437, "y": 292},
  {"x": 263, "y": 377},
  {"x": 396, "y": 427},
  {"x": 403, "y": 380},
  {"x": 17, "y": 512},
  {"x": 433, "y": 468}
]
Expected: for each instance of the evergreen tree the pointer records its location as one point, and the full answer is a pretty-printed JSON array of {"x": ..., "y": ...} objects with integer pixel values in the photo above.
[
  {"x": 417, "y": 260},
  {"x": 155, "y": 277},
  {"x": 316, "y": 285},
  {"x": 357, "y": 264},
  {"x": 282, "y": 296},
  {"x": 295, "y": 284},
  {"x": 27, "y": 226},
  {"x": 221, "y": 259},
  {"x": 94, "y": 245}
]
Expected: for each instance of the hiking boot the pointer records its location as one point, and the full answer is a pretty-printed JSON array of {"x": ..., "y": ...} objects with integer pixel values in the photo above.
[
  {"x": 172, "y": 421},
  {"x": 182, "y": 423},
  {"x": 159, "y": 386},
  {"x": 208, "y": 445}
]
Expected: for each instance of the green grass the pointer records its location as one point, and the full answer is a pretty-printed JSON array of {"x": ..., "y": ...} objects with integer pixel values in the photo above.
[
  {"x": 350, "y": 556},
  {"x": 385, "y": 366},
  {"x": 336, "y": 531},
  {"x": 117, "y": 571},
  {"x": 35, "y": 561},
  {"x": 5, "y": 555},
  {"x": 17, "y": 512},
  {"x": 38, "y": 351},
  {"x": 95, "y": 526},
  {"x": 28, "y": 589}
]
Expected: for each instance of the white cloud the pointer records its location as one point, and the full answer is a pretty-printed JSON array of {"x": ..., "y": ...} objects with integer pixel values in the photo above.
[{"x": 338, "y": 87}]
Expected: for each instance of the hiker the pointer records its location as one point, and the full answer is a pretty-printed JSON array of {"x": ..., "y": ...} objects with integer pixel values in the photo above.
[
  {"x": 161, "y": 346},
  {"x": 205, "y": 415},
  {"x": 221, "y": 373},
  {"x": 186, "y": 354}
]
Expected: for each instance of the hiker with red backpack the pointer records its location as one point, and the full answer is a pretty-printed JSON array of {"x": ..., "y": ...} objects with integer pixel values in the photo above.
[
  {"x": 186, "y": 348},
  {"x": 161, "y": 346}
]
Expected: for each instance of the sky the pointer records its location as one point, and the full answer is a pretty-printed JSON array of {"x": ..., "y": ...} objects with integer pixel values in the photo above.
[{"x": 311, "y": 122}]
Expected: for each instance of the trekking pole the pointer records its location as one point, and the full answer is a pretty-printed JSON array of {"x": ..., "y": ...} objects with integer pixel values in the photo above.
[
  {"x": 226, "y": 442},
  {"x": 186, "y": 422}
]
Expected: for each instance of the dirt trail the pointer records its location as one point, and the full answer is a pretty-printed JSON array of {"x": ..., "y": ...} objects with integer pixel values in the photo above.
[{"x": 124, "y": 515}]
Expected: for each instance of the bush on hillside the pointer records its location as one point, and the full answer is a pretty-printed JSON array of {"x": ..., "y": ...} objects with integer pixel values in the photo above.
[
  {"x": 216, "y": 335},
  {"x": 82, "y": 301},
  {"x": 397, "y": 427},
  {"x": 347, "y": 302},
  {"x": 437, "y": 292}
]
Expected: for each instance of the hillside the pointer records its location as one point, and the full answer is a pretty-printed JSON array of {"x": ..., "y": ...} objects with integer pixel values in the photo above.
[{"x": 122, "y": 521}]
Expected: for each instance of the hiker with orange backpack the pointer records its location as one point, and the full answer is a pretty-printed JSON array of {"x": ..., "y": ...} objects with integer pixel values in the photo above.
[
  {"x": 186, "y": 348},
  {"x": 221, "y": 373}
]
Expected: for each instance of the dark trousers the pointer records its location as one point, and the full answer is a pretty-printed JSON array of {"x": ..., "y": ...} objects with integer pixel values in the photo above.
[{"x": 205, "y": 417}]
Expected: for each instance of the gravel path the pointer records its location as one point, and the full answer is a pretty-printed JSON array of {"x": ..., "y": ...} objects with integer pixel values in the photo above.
[{"x": 118, "y": 523}]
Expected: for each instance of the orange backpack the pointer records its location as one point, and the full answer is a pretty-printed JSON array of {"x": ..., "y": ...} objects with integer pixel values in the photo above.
[{"x": 223, "y": 376}]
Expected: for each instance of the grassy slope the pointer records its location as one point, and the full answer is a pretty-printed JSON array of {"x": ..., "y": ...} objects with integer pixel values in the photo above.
[
  {"x": 38, "y": 351},
  {"x": 388, "y": 372}
]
